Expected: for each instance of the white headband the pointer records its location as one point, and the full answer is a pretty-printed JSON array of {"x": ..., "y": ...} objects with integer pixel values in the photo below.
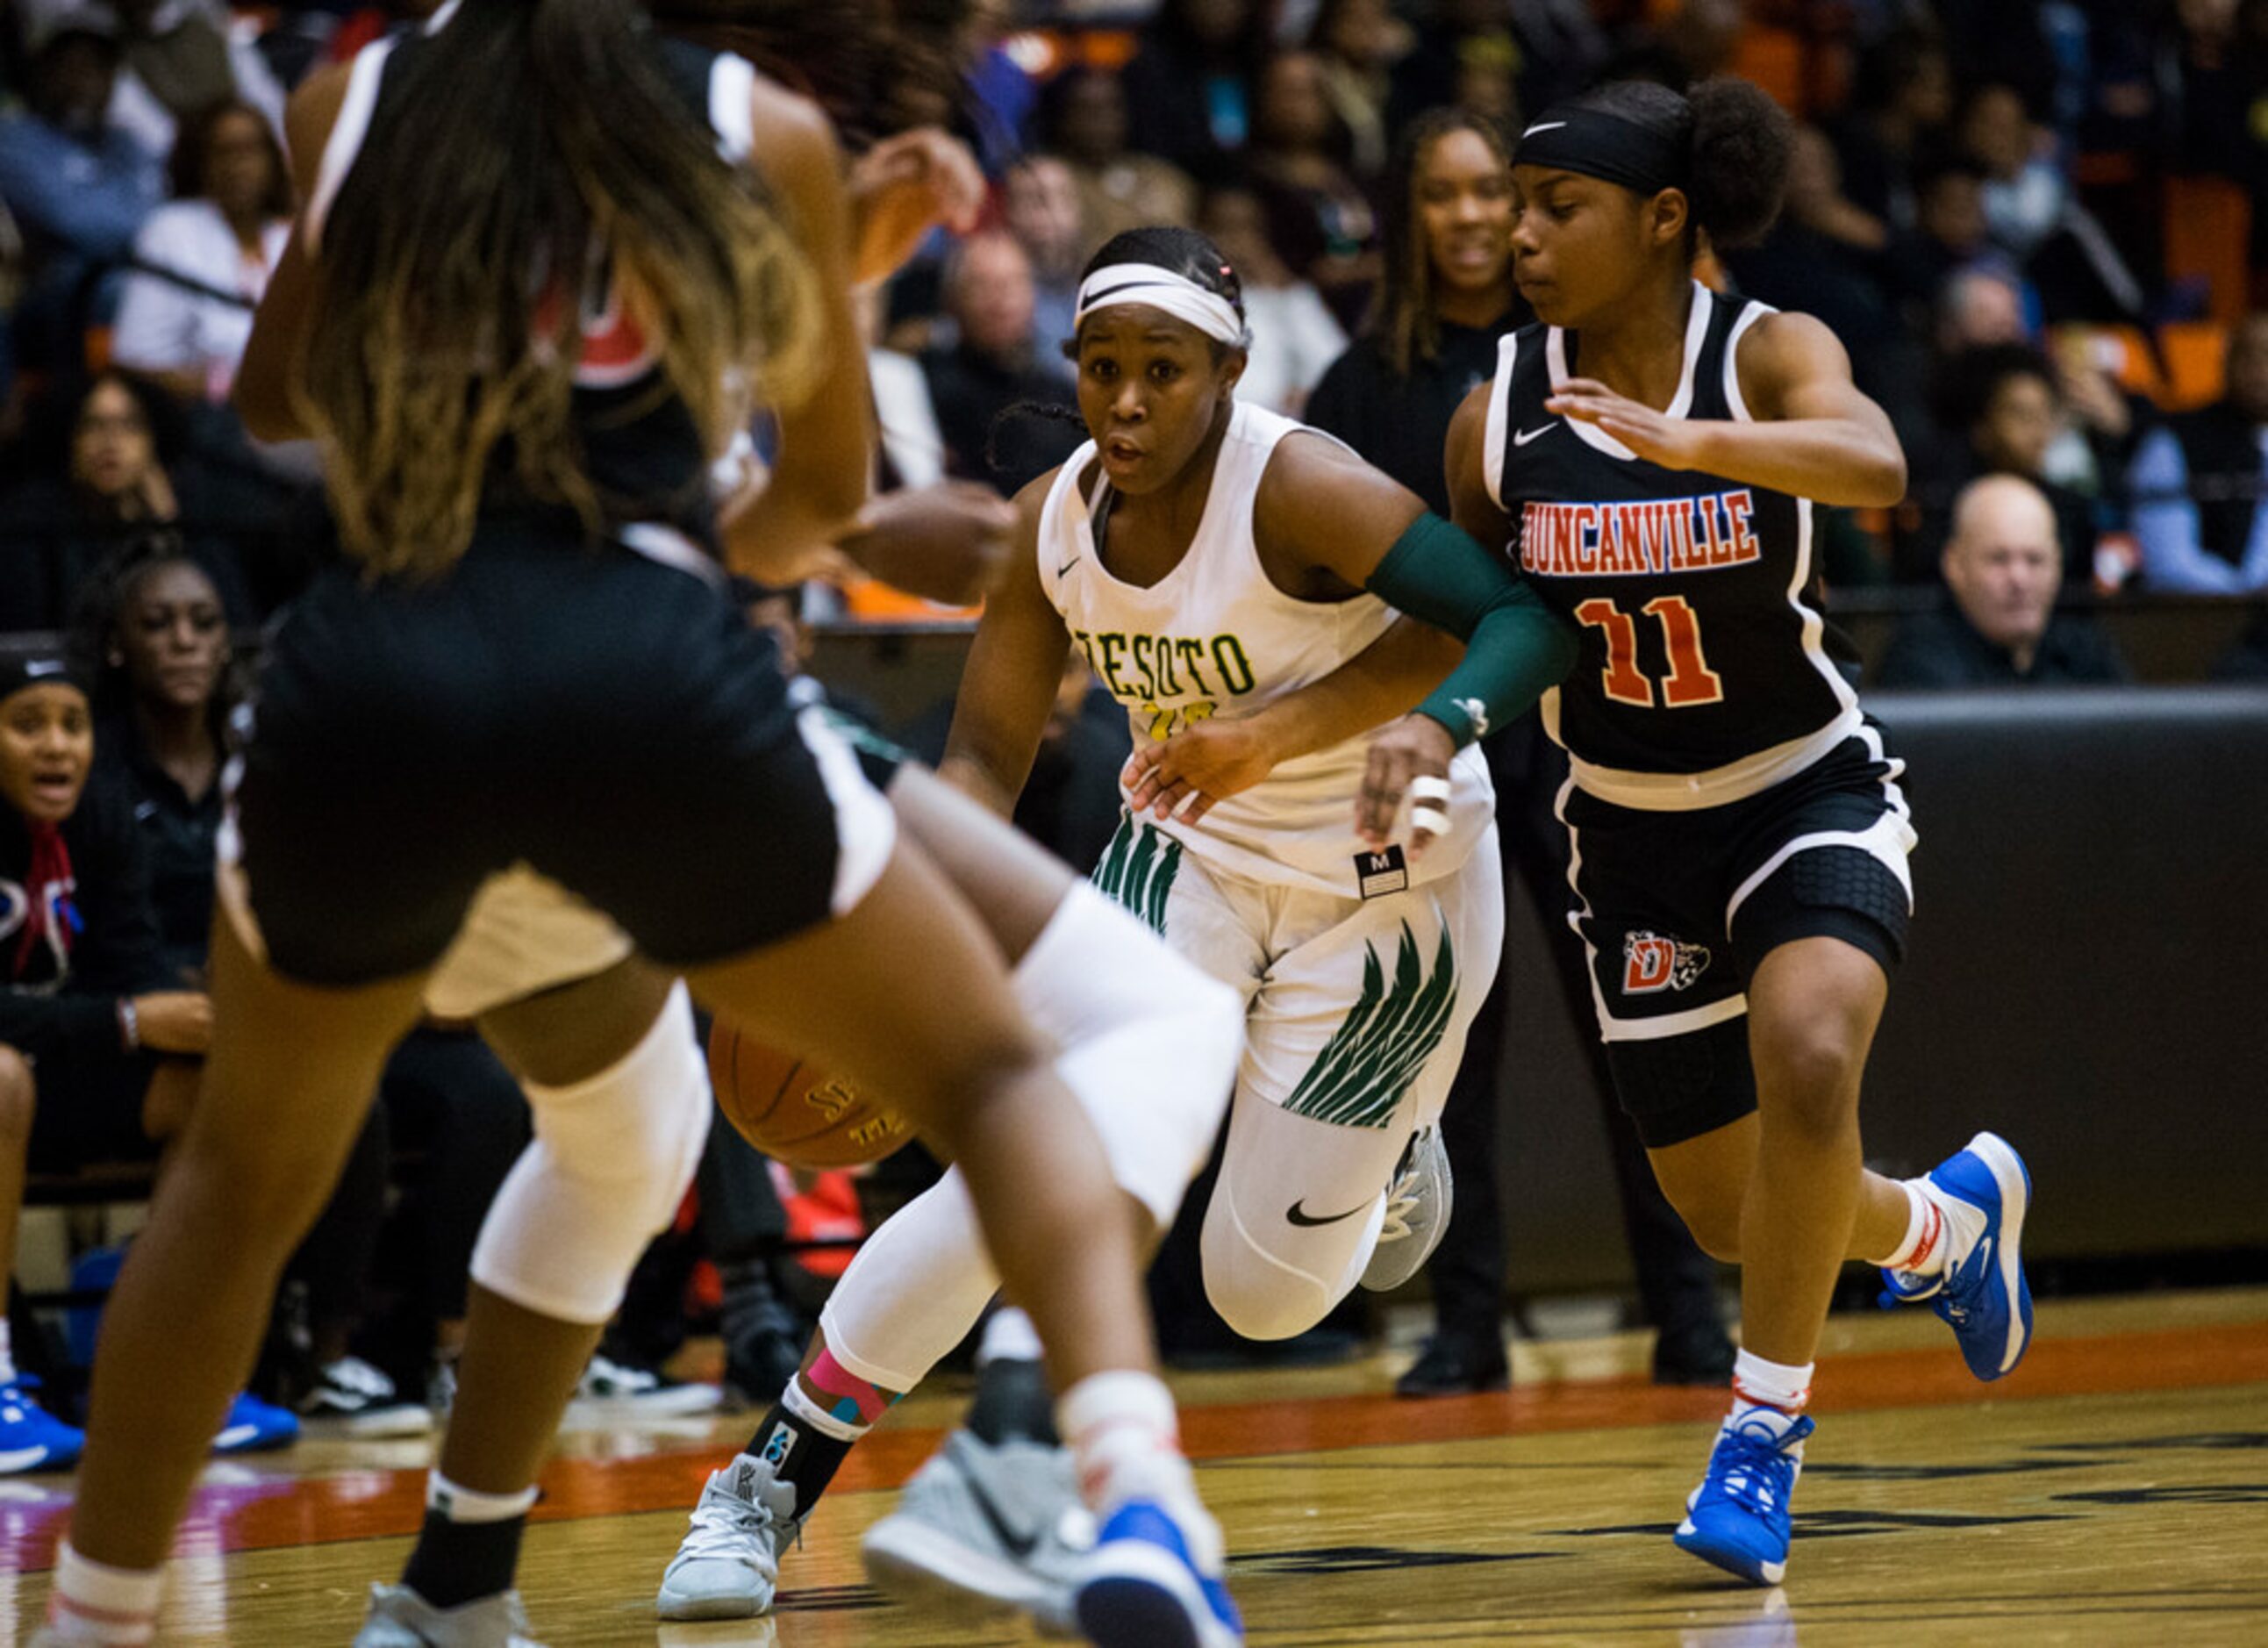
[{"x": 1158, "y": 288}]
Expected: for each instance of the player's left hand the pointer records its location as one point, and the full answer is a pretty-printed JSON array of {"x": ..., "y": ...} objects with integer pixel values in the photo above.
[
  {"x": 904, "y": 186},
  {"x": 1417, "y": 746},
  {"x": 1197, "y": 769},
  {"x": 1673, "y": 443}
]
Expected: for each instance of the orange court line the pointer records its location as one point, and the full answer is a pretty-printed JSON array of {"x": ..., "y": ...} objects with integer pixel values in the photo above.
[{"x": 266, "y": 1513}]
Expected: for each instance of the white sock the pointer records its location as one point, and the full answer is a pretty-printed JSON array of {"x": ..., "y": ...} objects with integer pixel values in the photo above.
[
  {"x": 1772, "y": 1389},
  {"x": 92, "y": 1602},
  {"x": 1922, "y": 1249},
  {"x": 1009, "y": 1336},
  {"x": 464, "y": 1505},
  {"x": 7, "y": 1353},
  {"x": 1125, "y": 1439},
  {"x": 1964, "y": 1223}
]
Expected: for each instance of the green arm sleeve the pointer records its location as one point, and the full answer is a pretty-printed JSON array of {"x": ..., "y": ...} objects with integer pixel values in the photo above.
[{"x": 1515, "y": 647}]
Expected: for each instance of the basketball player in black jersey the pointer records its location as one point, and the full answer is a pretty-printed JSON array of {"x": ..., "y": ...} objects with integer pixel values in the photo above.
[
  {"x": 532, "y": 662},
  {"x": 1649, "y": 454}
]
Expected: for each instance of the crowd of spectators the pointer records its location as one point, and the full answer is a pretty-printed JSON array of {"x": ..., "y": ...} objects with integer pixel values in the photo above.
[{"x": 2040, "y": 226}]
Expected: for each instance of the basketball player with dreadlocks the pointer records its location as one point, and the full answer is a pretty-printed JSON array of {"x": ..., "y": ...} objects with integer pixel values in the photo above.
[{"x": 531, "y": 652}]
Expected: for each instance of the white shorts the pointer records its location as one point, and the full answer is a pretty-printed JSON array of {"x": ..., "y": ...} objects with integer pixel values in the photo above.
[{"x": 1357, "y": 1008}]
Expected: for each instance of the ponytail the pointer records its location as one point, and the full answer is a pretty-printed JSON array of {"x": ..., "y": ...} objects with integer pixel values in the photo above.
[{"x": 531, "y": 155}]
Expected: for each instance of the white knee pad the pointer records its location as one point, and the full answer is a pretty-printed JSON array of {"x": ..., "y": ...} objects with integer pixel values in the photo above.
[
  {"x": 1149, "y": 1042},
  {"x": 917, "y": 1287},
  {"x": 610, "y": 1162}
]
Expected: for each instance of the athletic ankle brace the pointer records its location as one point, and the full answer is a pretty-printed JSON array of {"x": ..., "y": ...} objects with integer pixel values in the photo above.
[{"x": 850, "y": 1402}]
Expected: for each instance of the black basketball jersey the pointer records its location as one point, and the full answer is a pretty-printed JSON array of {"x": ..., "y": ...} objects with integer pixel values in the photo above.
[
  {"x": 1704, "y": 673},
  {"x": 642, "y": 451}
]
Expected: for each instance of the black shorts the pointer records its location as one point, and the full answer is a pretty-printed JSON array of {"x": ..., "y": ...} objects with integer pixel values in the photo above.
[
  {"x": 611, "y": 721},
  {"x": 1676, "y": 909}
]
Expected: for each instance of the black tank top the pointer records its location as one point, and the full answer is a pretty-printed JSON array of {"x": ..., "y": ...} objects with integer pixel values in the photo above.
[
  {"x": 1705, "y": 672},
  {"x": 643, "y": 451}
]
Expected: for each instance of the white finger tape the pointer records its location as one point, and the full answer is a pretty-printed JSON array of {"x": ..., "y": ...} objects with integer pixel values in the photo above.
[
  {"x": 1425, "y": 819},
  {"x": 1428, "y": 787}
]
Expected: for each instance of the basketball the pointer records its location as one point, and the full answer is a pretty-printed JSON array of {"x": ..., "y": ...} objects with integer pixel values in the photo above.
[{"x": 793, "y": 1113}]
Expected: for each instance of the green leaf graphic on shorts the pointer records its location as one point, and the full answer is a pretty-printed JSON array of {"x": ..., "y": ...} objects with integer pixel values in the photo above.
[
  {"x": 1138, "y": 870},
  {"x": 1359, "y": 1079}
]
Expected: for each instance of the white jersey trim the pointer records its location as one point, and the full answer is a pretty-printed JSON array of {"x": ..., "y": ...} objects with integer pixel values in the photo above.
[
  {"x": 1736, "y": 780},
  {"x": 1498, "y": 432},
  {"x": 732, "y": 106},
  {"x": 1750, "y": 316},
  {"x": 1696, "y": 334},
  {"x": 344, "y": 144}
]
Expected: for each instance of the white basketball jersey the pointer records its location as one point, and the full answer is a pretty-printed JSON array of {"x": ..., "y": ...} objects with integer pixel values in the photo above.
[{"x": 1214, "y": 637}]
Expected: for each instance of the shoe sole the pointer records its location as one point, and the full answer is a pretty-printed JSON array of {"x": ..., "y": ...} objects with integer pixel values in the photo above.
[
  {"x": 1149, "y": 1599},
  {"x": 1739, "y": 1564},
  {"x": 709, "y": 1607},
  {"x": 2015, "y": 1180},
  {"x": 916, "y": 1561}
]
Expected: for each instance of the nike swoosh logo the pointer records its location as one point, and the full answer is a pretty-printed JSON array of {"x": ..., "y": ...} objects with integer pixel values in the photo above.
[
  {"x": 1019, "y": 1546},
  {"x": 1521, "y": 437},
  {"x": 1549, "y": 125},
  {"x": 1067, "y": 565},
  {"x": 1300, "y": 1215}
]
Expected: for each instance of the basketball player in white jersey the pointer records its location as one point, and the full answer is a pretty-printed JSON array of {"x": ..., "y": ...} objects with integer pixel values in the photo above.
[{"x": 1209, "y": 559}]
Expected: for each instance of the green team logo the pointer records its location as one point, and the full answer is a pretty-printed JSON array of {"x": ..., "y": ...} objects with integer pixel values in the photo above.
[
  {"x": 1137, "y": 869},
  {"x": 1393, "y": 1027}
]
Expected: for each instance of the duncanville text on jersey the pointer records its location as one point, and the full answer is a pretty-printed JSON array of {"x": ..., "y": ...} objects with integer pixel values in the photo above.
[{"x": 1666, "y": 535}]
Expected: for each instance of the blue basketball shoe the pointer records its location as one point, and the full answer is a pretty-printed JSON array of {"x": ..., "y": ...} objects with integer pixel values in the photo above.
[
  {"x": 1982, "y": 1292},
  {"x": 1738, "y": 1518},
  {"x": 31, "y": 1438},
  {"x": 252, "y": 1426},
  {"x": 1145, "y": 1587}
]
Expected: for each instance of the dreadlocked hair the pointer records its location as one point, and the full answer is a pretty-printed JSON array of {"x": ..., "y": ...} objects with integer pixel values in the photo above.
[
  {"x": 533, "y": 153},
  {"x": 1405, "y": 320}
]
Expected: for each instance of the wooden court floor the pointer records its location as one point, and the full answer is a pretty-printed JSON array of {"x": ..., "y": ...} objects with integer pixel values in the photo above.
[{"x": 2114, "y": 1490}]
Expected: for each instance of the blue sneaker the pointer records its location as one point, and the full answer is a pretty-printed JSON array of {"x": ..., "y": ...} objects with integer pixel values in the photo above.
[
  {"x": 31, "y": 1438},
  {"x": 1737, "y": 1519},
  {"x": 1143, "y": 1588},
  {"x": 254, "y": 1426},
  {"x": 1983, "y": 1293}
]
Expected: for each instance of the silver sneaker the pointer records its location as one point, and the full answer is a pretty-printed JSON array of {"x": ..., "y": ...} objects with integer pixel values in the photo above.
[
  {"x": 728, "y": 1566},
  {"x": 984, "y": 1527},
  {"x": 400, "y": 1618},
  {"x": 1417, "y": 1213}
]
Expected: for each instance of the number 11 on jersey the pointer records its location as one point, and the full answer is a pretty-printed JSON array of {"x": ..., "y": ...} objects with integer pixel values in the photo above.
[{"x": 1690, "y": 679}]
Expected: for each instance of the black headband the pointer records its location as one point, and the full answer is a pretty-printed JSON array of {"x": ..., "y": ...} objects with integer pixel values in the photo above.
[
  {"x": 17, "y": 673},
  {"x": 1595, "y": 144}
]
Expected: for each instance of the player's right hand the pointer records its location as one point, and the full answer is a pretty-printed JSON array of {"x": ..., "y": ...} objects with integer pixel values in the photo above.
[
  {"x": 946, "y": 542},
  {"x": 174, "y": 1021},
  {"x": 1191, "y": 772},
  {"x": 1417, "y": 746}
]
